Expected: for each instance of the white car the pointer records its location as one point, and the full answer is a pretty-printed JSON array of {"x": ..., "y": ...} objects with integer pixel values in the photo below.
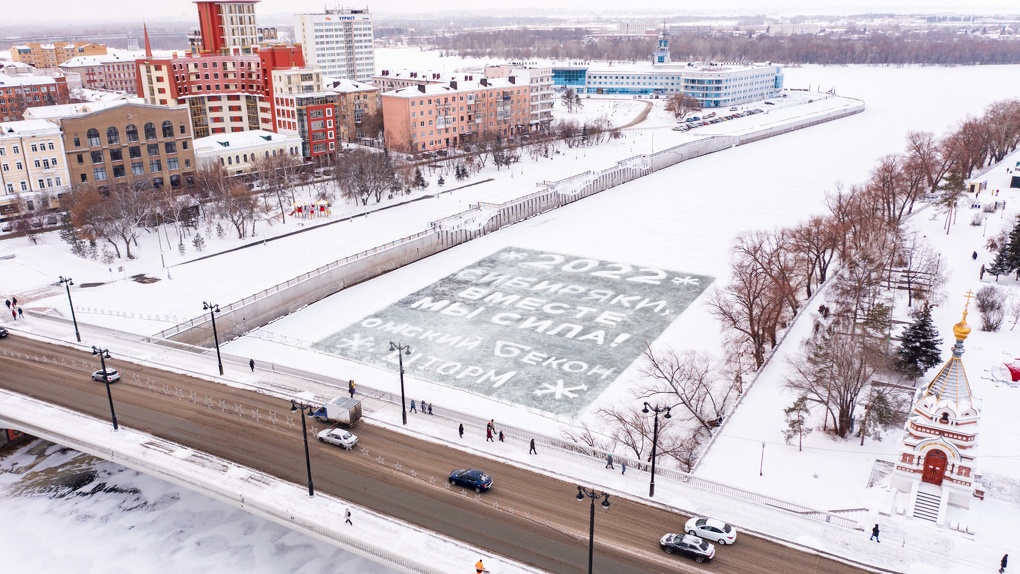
[
  {"x": 339, "y": 437},
  {"x": 711, "y": 529},
  {"x": 111, "y": 375}
]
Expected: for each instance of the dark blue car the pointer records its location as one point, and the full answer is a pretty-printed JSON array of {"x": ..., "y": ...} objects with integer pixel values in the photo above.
[{"x": 471, "y": 478}]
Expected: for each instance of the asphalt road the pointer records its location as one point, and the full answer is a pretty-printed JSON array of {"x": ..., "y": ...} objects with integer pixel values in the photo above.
[{"x": 527, "y": 516}]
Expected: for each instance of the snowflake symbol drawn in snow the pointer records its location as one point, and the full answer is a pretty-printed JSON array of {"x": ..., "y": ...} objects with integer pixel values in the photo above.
[
  {"x": 356, "y": 342},
  {"x": 678, "y": 281},
  {"x": 514, "y": 255},
  {"x": 560, "y": 390}
]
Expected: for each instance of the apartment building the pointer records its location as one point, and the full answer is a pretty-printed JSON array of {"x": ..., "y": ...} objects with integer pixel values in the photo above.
[
  {"x": 429, "y": 117},
  {"x": 302, "y": 106},
  {"x": 540, "y": 83},
  {"x": 33, "y": 171},
  {"x": 355, "y": 102},
  {"x": 47, "y": 55},
  {"x": 18, "y": 93},
  {"x": 227, "y": 28},
  {"x": 339, "y": 42},
  {"x": 112, "y": 72}
]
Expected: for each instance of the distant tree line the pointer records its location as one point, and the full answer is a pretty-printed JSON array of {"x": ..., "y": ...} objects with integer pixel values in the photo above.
[{"x": 936, "y": 47}]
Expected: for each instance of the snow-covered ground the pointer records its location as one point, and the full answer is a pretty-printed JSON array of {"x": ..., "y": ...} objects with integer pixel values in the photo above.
[{"x": 681, "y": 220}]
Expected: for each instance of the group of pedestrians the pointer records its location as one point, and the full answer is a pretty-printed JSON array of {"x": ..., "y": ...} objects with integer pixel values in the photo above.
[
  {"x": 426, "y": 408},
  {"x": 12, "y": 306}
]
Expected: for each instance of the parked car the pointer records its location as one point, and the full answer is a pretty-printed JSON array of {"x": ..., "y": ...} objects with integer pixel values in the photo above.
[
  {"x": 692, "y": 119},
  {"x": 339, "y": 437},
  {"x": 111, "y": 375},
  {"x": 687, "y": 545},
  {"x": 770, "y": 103},
  {"x": 6, "y": 226},
  {"x": 471, "y": 478},
  {"x": 3, "y": 332},
  {"x": 51, "y": 220},
  {"x": 711, "y": 529},
  {"x": 733, "y": 109}
]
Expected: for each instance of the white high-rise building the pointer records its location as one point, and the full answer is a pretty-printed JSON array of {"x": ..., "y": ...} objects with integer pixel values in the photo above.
[{"x": 338, "y": 42}]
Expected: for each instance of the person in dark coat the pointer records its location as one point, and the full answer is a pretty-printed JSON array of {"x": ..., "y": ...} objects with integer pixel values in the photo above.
[
  {"x": 14, "y": 301},
  {"x": 461, "y": 430},
  {"x": 874, "y": 534},
  {"x": 8, "y": 303},
  {"x": 21, "y": 313},
  {"x": 1002, "y": 564},
  {"x": 430, "y": 408},
  {"x": 347, "y": 517},
  {"x": 974, "y": 256},
  {"x": 501, "y": 436},
  {"x": 609, "y": 461},
  {"x": 251, "y": 363},
  {"x": 488, "y": 434},
  {"x": 414, "y": 407},
  {"x": 532, "y": 451}
]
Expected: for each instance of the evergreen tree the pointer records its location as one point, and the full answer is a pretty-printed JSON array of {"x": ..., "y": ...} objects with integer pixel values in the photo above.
[
  {"x": 1011, "y": 250},
  {"x": 419, "y": 179},
  {"x": 919, "y": 344},
  {"x": 441, "y": 182},
  {"x": 796, "y": 422},
  {"x": 1001, "y": 265}
]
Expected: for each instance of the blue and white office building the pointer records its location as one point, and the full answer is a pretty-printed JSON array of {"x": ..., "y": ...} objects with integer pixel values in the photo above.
[{"x": 714, "y": 85}]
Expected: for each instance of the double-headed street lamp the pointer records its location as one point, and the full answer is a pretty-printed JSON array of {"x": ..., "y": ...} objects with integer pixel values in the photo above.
[
  {"x": 67, "y": 284},
  {"x": 103, "y": 355},
  {"x": 655, "y": 439},
  {"x": 295, "y": 406},
  {"x": 593, "y": 495},
  {"x": 406, "y": 350},
  {"x": 213, "y": 308}
]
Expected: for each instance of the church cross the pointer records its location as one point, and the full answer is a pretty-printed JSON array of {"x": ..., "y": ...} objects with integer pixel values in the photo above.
[{"x": 969, "y": 295}]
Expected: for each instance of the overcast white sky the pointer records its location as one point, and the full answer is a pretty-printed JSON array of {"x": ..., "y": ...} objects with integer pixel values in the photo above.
[{"x": 94, "y": 10}]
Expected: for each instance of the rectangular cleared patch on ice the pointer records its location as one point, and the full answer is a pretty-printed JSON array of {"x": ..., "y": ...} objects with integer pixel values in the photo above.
[{"x": 543, "y": 330}]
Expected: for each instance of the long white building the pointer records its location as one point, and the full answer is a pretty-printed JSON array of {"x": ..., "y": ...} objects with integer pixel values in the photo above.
[{"x": 338, "y": 42}]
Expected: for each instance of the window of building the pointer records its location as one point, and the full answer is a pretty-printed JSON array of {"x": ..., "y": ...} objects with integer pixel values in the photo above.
[
  {"x": 137, "y": 168},
  {"x": 81, "y": 160},
  {"x": 131, "y": 132},
  {"x": 97, "y": 156},
  {"x": 35, "y": 147},
  {"x": 112, "y": 136},
  {"x": 135, "y": 152},
  {"x": 168, "y": 129},
  {"x": 171, "y": 163},
  {"x": 150, "y": 131},
  {"x": 152, "y": 150},
  {"x": 116, "y": 154},
  {"x": 99, "y": 173},
  {"x": 118, "y": 171},
  {"x": 170, "y": 147},
  {"x": 155, "y": 166},
  {"x": 93, "y": 135}
]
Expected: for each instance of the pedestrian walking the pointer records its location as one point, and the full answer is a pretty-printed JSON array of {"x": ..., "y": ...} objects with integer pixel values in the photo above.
[
  {"x": 251, "y": 363},
  {"x": 501, "y": 436},
  {"x": 350, "y": 388},
  {"x": 532, "y": 451},
  {"x": 974, "y": 256},
  {"x": 414, "y": 408},
  {"x": 14, "y": 301},
  {"x": 982, "y": 271},
  {"x": 1002, "y": 563},
  {"x": 874, "y": 534},
  {"x": 430, "y": 408},
  {"x": 14, "y": 314},
  {"x": 609, "y": 461},
  {"x": 488, "y": 435},
  {"x": 8, "y": 303},
  {"x": 623, "y": 467},
  {"x": 423, "y": 405},
  {"x": 479, "y": 567},
  {"x": 347, "y": 517},
  {"x": 491, "y": 425},
  {"x": 460, "y": 429},
  {"x": 21, "y": 313}
]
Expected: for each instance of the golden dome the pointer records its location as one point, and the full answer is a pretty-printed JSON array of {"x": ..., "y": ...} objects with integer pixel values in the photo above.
[{"x": 961, "y": 329}]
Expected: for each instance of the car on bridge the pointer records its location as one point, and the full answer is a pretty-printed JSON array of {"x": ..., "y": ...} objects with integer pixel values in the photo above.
[
  {"x": 687, "y": 545},
  {"x": 339, "y": 437},
  {"x": 471, "y": 478},
  {"x": 711, "y": 529},
  {"x": 3, "y": 332},
  {"x": 112, "y": 375}
]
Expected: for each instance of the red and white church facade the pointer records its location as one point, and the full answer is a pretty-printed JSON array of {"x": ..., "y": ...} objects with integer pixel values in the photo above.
[{"x": 936, "y": 462}]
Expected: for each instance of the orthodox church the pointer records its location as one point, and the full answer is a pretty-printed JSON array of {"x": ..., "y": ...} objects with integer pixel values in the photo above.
[{"x": 936, "y": 462}]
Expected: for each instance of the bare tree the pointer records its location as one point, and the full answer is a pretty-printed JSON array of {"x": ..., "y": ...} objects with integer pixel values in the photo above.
[
  {"x": 364, "y": 174},
  {"x": 277, "y": 174},
  {"x": 815, "y": 243},
  {"x": 231, "y": 199},
  {"x": 689, "y": 380},
  {"x": 680, "y": 104}
]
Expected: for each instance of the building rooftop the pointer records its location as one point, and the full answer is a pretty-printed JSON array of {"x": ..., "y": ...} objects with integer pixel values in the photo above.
[
  {"x": 240, "y": 140},
  {"x": 72, "y": 110},
  {"x": 462, "y": 86},
  {"x": 6, "y": 80},
  {"x": 27, "y": 128},
  {"x": 80, "y": 61},
  {"x": 344, "y": 85}
]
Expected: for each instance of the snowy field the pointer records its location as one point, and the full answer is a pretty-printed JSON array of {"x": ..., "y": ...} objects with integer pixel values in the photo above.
[{"x": 681, "y": 219}]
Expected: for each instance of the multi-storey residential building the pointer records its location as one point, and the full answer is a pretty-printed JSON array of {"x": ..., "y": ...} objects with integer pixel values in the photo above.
[
  {"x": 32, "y": 166},
  {"x": 237, "y": 152},
  {"x": 540, "y": 82},
  {"x": 338, "y": 42},
  {"x": 302, "y": 106},
  {"x": 430, "y": 116},
  {"x": 227, "y": 28},
  {"x": 129, "y": 143},
  {"x": 389, "y": 80},
  {"x": 355, "y": 101},
  {"x": 112, "y": 72},
  {"x": 45, "y": 55},
  {"x": 18, "y": 93}
]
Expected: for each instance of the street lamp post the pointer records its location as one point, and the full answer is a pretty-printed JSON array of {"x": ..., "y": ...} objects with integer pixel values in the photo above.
[
  {"x": 103, "y": 355},
  {"x": 593, "y": 495},
  {"x": 655, "y": 438},
  {"x": 406, "y": 350},
  {"x": 67, "y": 284},
  {"x": 296, "y": 405},
  {"x": 213, "y": 308},
  {"x": 761, "y": 465}
]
